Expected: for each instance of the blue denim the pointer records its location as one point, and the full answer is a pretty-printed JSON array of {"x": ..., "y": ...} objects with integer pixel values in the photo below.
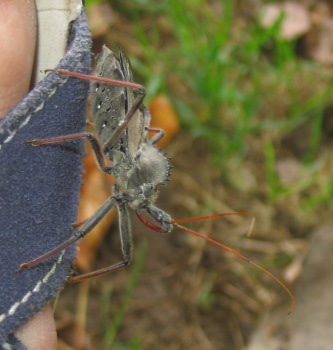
[{"x": 39, "y": 187}]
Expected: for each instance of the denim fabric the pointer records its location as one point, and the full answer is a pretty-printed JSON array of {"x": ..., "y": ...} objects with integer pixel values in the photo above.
[{"x": 39, "y": 187}]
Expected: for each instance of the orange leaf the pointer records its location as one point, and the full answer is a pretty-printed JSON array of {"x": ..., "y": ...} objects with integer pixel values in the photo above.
[
  {"x": 95, "y": 190},
  {"x": 164, "y": 117}
]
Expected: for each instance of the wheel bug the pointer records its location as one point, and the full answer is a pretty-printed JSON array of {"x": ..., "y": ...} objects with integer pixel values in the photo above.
[{"x": 122, "y": 122}]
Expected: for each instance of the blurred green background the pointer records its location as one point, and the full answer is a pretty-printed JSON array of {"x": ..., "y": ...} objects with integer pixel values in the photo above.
[{"x": 251, "y": 84}]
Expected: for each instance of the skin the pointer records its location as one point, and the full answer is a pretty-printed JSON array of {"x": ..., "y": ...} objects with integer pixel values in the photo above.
[{"x": 18, "y": 43}]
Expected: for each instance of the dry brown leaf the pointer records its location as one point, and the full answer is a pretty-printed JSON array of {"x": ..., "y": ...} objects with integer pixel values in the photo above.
[
  {"x": 296, "y": 21},
  {"x": 288, "y": 170},
  {"x": 100, "y": 18},
  {"x": 319, "y": 43}
]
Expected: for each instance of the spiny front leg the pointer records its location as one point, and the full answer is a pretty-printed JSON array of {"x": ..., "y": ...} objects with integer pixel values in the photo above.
[{"x": 160, "y": 216}]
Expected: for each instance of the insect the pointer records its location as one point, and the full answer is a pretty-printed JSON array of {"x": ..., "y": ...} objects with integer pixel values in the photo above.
[{"x": 121, "y": 122}]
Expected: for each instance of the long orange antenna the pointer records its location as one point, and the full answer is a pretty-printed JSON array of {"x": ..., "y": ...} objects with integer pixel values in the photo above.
[
  {"x": 175, "y": 222},
  {"x": 286, "y": 289}
]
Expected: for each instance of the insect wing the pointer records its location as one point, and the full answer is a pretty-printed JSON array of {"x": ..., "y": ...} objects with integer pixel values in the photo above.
[
  {"x": 136, "y": 128},
  {"x": 108, "y": 100}
]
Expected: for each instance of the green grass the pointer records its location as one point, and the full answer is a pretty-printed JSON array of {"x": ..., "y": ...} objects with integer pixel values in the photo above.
[
  {"x": 231, "y": 82},
  {"x": 229, "y": 72},
  {"x": 231, "y": 76},
  {"x": 253, "y": 100},
  {"x": 112, "y": 325}
]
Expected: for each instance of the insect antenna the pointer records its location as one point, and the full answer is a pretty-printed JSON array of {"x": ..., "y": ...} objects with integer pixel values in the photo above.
[{"x": 175, "y": 223}]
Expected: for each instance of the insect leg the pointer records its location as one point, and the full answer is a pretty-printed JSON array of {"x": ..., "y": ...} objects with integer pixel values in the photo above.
[
  {"x": 135, "y": 106},
  {"x": 95, "y": 78},
  {"x": 92, "y": 139},
  {"x": 130, "y": 114},
  {"x": 160, "y": 133},
  {"x": 90, "y": 223},
  {"x": 126, "y": 247}
]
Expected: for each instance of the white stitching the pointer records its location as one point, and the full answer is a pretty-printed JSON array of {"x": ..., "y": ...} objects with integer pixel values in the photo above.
[
  {"x": 40, "y": 283},
  {"x": 12, "y": 133},
  {"x": 10, "y": 137},
  {"x": 38, "y": 286},
  {"x": 7, "y": 346},
  {"x": 36, "y": 289}
]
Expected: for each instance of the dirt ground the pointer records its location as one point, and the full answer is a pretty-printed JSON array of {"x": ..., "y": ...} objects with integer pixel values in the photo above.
[
  {"x": 184, "y": 293},
  {"x": 190, "y": 294}
]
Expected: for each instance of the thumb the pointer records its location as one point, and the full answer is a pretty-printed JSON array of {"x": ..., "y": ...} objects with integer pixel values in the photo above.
[
  {"x": 18, "y": 32},
  {"x": 18, "y": 44}
]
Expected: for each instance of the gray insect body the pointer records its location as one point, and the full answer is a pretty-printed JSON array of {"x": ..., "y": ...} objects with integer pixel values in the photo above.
[
  {"x": 122, "y": 125},
  {"x": 121, "y": 122},
  {"x": 138, "y": 166},
  {"x": 110, "y": 102}
]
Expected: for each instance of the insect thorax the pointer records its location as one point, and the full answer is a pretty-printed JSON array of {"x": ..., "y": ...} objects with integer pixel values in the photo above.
[{"x": 149, "y": 167}]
